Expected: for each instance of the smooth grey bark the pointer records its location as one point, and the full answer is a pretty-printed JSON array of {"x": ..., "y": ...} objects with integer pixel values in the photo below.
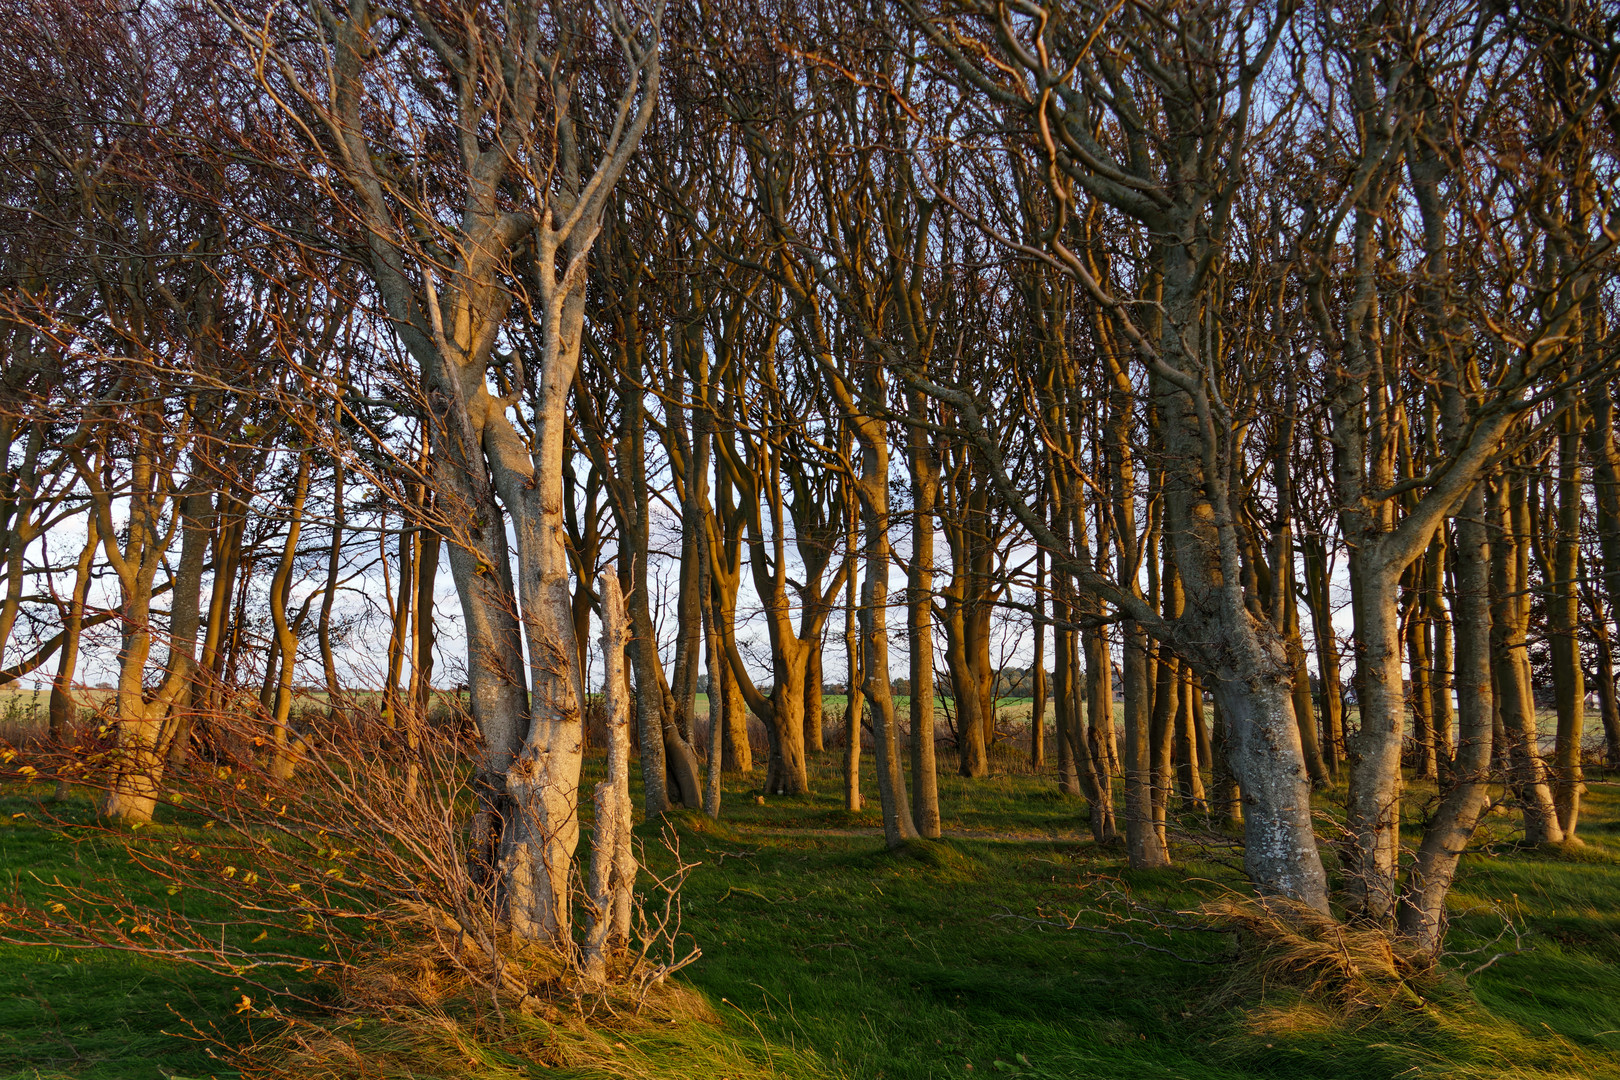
[
  {"x": 448, "y": 305},
  {"x": 612, "y": 881},
  {"x": 1421, "y": 913}
]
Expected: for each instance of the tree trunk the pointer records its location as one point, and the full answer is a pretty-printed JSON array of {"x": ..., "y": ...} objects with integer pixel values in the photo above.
[
  {"x": 920, "y": 621},
  {"x": 1419, "y": 664},
  {"x": 737, "y": 754},
  {"x": 611, "y": 885},
  {"x": 1279, "y": 846},
  {"x": 1564, "y": 624},
  {"x": 970, "y": 722},
  {"x": 63, "y": 706},
  {"x": 1067, "y": 709},
  {"x": 1327, "y": 650},
  {"x": 323, "y": 623},
  {"x": 1441, "y": 682},
  {"x": 1037, "y": 697},
  {"x": 393, "y": 702},
  {"x": 855, "y": 684},
  {"x": 282, "y": 753},
  {"x": 1421, "y": 916},
  {"x": 1162, "y": 730},
  {"x": 1226, "y": 799},
  {"x": 1375, "y": 749},
  {"x": 1510, "y": 620},
  {"x": 873, "y": 489},
  {"x": 1189, "y": 780},
  {"x": 814, "y": 709}
]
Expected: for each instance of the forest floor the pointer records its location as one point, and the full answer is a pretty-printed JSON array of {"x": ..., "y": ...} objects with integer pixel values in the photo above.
[{"x": 824, "y": 956}]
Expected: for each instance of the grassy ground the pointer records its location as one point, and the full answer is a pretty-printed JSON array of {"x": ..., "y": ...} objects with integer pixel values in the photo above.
[
  {"x": 93, "y": 1014},
  {"x": 825, "y": 956}
]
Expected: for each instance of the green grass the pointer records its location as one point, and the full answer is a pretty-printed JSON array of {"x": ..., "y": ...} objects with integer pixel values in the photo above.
[
  {"x": 920, "y": 966},
  {"x": 825, "y": 956},
  {"x": 94, "y": 1014}
]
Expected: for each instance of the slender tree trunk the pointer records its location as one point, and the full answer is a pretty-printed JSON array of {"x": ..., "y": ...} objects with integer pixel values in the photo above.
[
  {"x": 855, "y": 701},
  {"x": 920, "y": 620},
  {"x": 1206, "y": 749},
  {"x": 282, "y": 754},
  {"x": 1510, "y": 619},
  {"x": 1419, "y": 664},
  {"x": 1421, "y": 916},
  {"x": 1315, "y": 763},
  {"x": 873, "y": 488},
  {"x": 1605, "y": 461},
  {"x": 1162, "y": 729},
  {"x": 334, "y": 557},
  {"x": 424, "y": 623},
  {"x": 1067, "y": 709},
  {"x": 1037, "y": 702},
  {"x": 611, "y": 885},
  {"x": 1441, "y": 682},
  {"x": 1166, "y": 703},
  {"x": 1375, "y": 749},
  {"x": 227, "y": 560},
  {"x": 63, "y": 706},
  {"x": 975, "y": 761},
  {"x": 399, "y": 635},
  {"x": 1189, "y": 780},
  {"x": 1564, "y": 623},
  {"x": 737, "y": 754},
  {"x": 1327, "y": 650},
  {"x": 716, "y": 663}
]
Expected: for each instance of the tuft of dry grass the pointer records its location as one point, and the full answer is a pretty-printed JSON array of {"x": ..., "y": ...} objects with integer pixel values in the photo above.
[
  {"x": 1347, "y": 969},
  {"x": 414, "y": 1010}
]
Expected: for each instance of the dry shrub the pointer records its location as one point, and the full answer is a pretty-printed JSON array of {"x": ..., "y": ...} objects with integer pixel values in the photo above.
[
  {"x": 1347, "y": 969},
  {"x": 359, "y": 873}
]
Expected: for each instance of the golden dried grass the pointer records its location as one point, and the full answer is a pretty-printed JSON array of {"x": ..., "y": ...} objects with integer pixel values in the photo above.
[
  {"x": 1344, "y": 968},
  {"x": 420, "y": 1008}
]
